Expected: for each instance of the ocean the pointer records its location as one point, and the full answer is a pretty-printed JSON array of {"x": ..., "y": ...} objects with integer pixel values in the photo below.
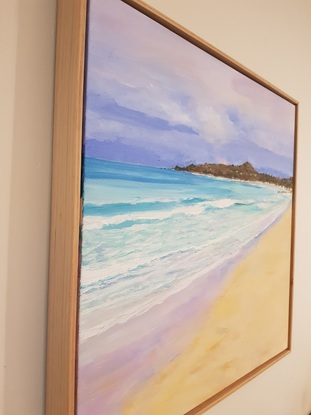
[
  {"x": 149, "y": 232},
  {"x": 150, "y": 235}
]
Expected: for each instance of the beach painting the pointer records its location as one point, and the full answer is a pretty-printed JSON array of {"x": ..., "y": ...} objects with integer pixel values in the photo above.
[{"x": 188, "y": 176}]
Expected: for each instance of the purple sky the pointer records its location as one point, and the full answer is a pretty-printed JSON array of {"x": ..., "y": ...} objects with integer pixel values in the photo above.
[{"x": 154, "y": 98}]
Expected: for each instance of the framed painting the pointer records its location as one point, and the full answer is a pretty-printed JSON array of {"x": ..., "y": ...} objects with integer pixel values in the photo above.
[{"x": 171, "y": 262}]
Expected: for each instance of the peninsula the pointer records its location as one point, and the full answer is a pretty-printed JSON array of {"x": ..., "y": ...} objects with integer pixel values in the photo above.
[{"x": 244, "y": 171}]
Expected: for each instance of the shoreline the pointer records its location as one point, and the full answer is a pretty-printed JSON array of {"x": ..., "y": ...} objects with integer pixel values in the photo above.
[
  {"x": 256, "y": 298},
  {"x": 245, "y": 172},
  {"x": 255, "y": 182}
]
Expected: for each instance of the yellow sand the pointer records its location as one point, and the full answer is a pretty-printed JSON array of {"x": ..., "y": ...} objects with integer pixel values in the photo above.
[{"x": 247, "y": 326}]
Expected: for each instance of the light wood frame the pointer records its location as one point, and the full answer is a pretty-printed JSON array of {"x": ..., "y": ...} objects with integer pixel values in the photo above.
[{"x": 66, "y": 205}]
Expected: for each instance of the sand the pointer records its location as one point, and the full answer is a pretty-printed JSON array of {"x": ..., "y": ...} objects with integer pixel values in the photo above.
[{"x": 247, "y": 326}]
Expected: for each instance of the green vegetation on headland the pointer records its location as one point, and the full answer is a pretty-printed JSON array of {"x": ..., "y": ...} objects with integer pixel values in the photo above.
[{"x": 244, "y": 172}]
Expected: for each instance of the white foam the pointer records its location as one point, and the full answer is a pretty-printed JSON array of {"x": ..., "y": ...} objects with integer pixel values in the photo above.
[{"x": 97, "y": 222}]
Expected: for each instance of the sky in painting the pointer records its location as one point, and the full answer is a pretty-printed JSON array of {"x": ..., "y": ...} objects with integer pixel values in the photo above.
[{"x": 155, "y": 99}]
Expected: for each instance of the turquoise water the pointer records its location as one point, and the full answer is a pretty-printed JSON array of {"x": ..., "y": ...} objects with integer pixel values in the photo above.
[{"x": 148, "y": 233}]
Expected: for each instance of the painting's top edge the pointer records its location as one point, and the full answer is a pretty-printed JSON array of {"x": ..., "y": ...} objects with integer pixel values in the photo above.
[{"x": 204, "y": 45}]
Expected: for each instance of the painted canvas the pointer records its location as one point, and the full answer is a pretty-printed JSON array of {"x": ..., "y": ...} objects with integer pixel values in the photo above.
[{"x": 187, "y": 220}]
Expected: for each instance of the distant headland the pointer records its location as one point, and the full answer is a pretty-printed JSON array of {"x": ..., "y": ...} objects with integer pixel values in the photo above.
[{"x": 244, "y": 172}]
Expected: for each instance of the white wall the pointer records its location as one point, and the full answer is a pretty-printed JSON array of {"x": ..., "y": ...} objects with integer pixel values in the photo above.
[
  {"x": 272, "y": 38},
  {"x": 26, "y": 89}
]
